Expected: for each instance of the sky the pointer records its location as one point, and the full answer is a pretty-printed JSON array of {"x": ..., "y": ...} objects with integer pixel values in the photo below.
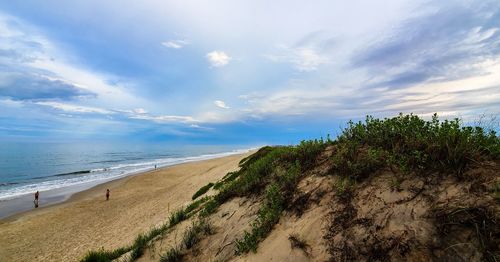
[{"x": 221, "y": 72}]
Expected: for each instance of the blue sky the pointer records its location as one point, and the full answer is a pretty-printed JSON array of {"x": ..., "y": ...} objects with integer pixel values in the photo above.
[{"x": 239, "y": 71}]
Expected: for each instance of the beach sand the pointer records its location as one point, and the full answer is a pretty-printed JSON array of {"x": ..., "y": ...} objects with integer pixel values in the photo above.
[{"x": 66, "y": 231}]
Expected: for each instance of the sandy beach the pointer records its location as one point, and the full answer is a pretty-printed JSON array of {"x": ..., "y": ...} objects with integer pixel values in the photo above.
[{"x": 66, "y": 231}]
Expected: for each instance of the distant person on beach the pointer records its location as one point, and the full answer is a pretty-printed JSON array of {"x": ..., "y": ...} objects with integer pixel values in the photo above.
[
  {"x": 36, "y": 199},
  {"x": 107, "y": 194},
  {"x": 155, "y": 166}
]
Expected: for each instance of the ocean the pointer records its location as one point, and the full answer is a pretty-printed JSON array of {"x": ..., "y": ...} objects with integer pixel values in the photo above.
[{"x": 28, "y": 167}]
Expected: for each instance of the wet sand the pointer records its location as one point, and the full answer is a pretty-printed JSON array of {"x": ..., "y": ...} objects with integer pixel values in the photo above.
[{"x": 66, "y": 231}]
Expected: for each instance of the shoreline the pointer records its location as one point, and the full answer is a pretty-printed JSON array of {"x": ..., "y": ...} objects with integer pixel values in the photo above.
[
  {"x": 11, "y": 208},
  {"x": 58, "y": 196},
  {"x": 86, "y": 221}
]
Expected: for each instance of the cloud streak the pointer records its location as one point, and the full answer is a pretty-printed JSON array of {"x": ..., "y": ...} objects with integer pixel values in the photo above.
[
  {"x": 175, "y": 44},
  {"x": 75, "y": 108},
  {"x": 447, "y": 44}
]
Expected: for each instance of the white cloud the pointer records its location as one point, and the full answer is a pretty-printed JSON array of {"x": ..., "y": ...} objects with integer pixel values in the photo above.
[
  {"x": 143, "y": 114},
  {"x": 140, "y": 111},
  {"x": 218, "y": 58},
  {"x": 165, "y": 118},
  {"x": 221, "y": 104},
  {"x": 175, "y": 44},
  {"x": 75, "y": 108},
  {"x": 303, "y": 59}
]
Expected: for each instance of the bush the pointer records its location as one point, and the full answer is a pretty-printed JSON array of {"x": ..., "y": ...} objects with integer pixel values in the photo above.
[
  {"x": 226, "y": 179},
  {"x": 308, "y": 151},
  {"x": 416, "y": 144},
  {"x": 356, "y": 162},
  {"x": 202, "y": 190}
]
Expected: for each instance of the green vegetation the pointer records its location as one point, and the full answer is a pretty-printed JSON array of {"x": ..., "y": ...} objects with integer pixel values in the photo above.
[
  {"x": 202, "y": 190},
  {"x": 103, "y": 255},
  {"x": 412, "y": 144},
  {"x": 196, "y": 231},
  {"x": 139, "y": 245},
  {"x": 276, "y": 196},
  {"x": 343, "y": 184},
  {"x": 227, "y": 178},
  {"x": 260, "y": 169},
  {"x": 194, "y": 205},
  {"x": 177, "y": 217},
  {"x": 184, "y": 213},
  {"x": 190, "y": 238},
  {"x": 172, "y": 255},
  {"x": 268, "y": 216}
]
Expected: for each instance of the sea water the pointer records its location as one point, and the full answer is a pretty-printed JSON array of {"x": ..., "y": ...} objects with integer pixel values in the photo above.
[{"x": 29, "y": 167}]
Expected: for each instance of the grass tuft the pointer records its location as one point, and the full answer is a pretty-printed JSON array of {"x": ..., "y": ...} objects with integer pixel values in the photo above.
[
  {"x": 202, "y": 190},
  {"x": 177, "y": 217},
  {"x": 172, "y": 255},
  {"x": 139, "y": 245}
]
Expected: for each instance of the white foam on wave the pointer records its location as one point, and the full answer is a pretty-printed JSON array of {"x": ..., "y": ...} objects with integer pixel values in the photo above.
[{"x": 101, "y": 175}]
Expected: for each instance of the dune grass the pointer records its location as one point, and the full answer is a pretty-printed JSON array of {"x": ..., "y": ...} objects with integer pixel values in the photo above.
[
  {"x": 191, "y": 237},
  {"x": 102, "y": 255},
  {"x": 276, "y": 195},
  {"x": 198, "y": 229},
  {"x": 202, "y": 190},
  {"x": 172, "y": 255}
]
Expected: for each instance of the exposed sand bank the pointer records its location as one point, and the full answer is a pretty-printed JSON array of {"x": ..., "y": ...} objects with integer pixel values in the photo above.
[{"x": 64, "y": 232}]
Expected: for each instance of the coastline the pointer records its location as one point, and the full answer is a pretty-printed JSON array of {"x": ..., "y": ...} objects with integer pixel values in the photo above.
[
  {"x": 10, "y": 208},
  {"x": 86, "y": 221}
]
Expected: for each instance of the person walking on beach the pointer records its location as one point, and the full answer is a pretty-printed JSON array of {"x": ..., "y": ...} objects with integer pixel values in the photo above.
[
  {"x": 107, "y": 194},
  {"x": 36, "y": 199}
]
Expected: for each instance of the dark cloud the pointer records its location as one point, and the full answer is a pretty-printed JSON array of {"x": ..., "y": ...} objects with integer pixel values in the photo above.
[
  {"x": 34, "y": 87},
  {"x": 442, "y": 46}
]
